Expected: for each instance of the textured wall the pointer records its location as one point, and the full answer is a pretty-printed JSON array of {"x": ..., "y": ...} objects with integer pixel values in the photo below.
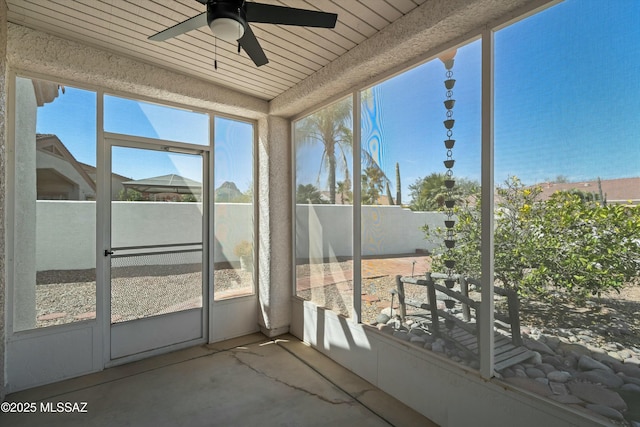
[
  {"x": 274, "y": 205},
  {"x": 23, "y": 256},
  {"x": 70, "y": 227},
  {"x": 3, "y": 141},
  {"x": 386, "y": 230},
  {"x": 422, "y": 32},
  {"x": 40, "y": 52}
]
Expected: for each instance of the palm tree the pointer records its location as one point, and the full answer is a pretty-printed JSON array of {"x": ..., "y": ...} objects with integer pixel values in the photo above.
[
  {"x": 372, "y": 183},
  {"x": 344, "y": 189},
  {"x": 308, "y": 194},
  {"x": 428, "y": 193},
  {"x": 330, "y": 127}
]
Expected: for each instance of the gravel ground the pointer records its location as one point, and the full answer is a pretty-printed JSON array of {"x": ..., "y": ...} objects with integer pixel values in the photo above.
[
  {"x": 338, "y": 297},
  {"x": 69, "y": 295},
  {"x": 604, "y": 316}
]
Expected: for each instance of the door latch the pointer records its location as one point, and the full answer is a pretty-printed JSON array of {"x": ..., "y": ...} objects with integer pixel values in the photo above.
[{"x": 107, "y": 252}]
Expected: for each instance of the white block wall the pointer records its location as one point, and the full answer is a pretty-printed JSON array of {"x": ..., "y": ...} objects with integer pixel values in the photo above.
[
  {"x": 386, "y": 230},
  {"x": 66, "y": 230}
]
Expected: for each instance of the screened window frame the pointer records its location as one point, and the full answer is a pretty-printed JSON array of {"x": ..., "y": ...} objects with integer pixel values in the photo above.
[
  {"x": 486, "y": 37},
  {"x": 100, "y": 92}
]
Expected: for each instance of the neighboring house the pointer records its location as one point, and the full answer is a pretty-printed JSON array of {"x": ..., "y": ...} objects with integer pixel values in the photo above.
[
  {"x": 59, "y": 175},
  {"x": 168, "y": 188},
  {"x": 620, "y": 190},
  {"x": 116, "y": 180}
]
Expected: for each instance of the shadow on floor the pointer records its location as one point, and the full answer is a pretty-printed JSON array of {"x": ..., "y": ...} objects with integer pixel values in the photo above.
[{"x": 247, "y": 381}]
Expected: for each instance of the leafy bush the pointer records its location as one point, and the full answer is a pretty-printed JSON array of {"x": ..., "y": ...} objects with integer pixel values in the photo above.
[
  {"x": 429, "y": 193},
  {"x": 565, "y": 242},
  {"x": 587, "y": 247}
]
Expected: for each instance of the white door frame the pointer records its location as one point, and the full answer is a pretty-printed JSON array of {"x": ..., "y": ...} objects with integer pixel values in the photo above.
[{"x": 104, "y": 244}]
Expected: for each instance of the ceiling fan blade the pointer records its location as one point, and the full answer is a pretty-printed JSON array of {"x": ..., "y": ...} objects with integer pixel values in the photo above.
[
  {"x": 271, "y": 14},
  {"x": 250, "y": 44},
  {"x": 181, "y": 28}
]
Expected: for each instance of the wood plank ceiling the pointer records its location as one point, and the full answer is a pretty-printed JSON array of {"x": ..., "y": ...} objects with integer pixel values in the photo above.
[{"x": 294, "y": 53}]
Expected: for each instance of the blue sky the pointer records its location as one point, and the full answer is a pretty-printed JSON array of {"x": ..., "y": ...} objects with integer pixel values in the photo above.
[
  {"x": 567, "y": 102},
  {"x": 72, "y": 117},
  {"x": 572, "y": 105}
]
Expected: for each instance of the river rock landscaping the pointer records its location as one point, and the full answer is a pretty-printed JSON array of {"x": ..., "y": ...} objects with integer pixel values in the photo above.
[{"x": 587, "y": 357}]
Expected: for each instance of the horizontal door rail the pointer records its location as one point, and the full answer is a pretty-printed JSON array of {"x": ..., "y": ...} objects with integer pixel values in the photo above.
[
  {"x": 180, "y": 251},
  {"x": 166, "y": 245}
]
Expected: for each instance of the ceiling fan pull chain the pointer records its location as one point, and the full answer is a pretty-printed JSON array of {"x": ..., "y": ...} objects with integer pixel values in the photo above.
[{"x": 215, "y": 53}]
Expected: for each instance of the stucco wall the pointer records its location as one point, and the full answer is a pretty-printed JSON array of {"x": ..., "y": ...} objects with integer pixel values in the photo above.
[
  {"x": 36, "y": 51},
  {"x": 66, "y": 231},
  {"x": 3, "y": 142},
  {"x": 386, "y": 230},
  {"x": 274, "y": 212}
]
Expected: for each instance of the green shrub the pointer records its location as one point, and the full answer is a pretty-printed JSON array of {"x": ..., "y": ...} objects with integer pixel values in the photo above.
[{"x": 565, "y": 242}]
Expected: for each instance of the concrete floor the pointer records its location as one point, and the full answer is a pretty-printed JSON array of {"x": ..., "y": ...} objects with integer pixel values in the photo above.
[{"x": 247, "y": 381}]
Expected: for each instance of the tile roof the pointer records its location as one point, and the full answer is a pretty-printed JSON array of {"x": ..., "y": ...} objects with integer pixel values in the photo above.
[{"x": 618, "y": 190}]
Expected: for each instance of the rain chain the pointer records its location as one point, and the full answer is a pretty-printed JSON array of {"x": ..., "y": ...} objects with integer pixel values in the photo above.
[{"x": 449, "y": 182}]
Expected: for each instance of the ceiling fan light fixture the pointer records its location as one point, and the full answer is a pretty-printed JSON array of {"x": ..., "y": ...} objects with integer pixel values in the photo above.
[
  {"x": 229, "y": 20},
  {"x": 227, "y": 29}
]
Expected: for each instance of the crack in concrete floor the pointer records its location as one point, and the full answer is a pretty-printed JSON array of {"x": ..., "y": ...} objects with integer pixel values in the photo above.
[{"x": 236, "y": 356}]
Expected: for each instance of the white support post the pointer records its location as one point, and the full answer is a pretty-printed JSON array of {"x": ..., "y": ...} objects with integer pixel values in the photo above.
[
  {"x": 357, "y": 211},
  {"x": 487, "y": 304},
  {"x": 209, "y": 238},
  {"x": 103, "y": 231}
]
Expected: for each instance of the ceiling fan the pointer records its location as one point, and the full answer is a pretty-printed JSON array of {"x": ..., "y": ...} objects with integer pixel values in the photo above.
[{"x": 229, "y": 21}]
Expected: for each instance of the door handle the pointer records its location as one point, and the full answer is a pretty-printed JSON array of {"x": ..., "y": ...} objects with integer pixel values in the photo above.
[{"x": 107, "y": 252}]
